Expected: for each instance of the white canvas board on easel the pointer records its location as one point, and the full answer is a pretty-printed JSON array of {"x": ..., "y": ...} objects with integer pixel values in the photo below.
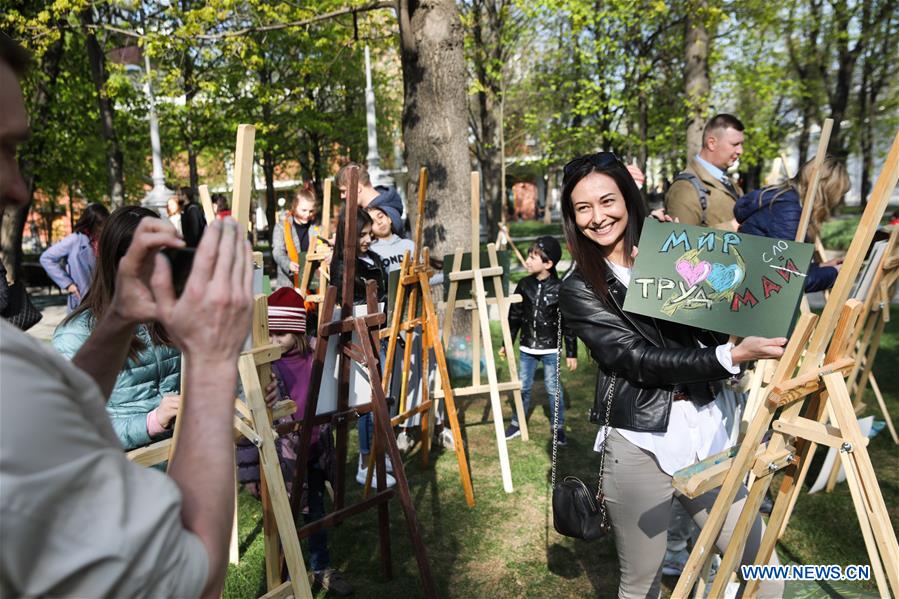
[
  {"x": 863, "y": 283},
  {"x": 360, "y": 385},
  {"x": 865, "y": 425}
]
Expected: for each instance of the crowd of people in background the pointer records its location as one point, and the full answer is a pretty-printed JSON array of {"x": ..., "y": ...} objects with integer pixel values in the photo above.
[{"x": 120, "y": 386}]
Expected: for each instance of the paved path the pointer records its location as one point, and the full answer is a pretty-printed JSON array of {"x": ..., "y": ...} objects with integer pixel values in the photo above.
[{"x": 53, "y": 307}]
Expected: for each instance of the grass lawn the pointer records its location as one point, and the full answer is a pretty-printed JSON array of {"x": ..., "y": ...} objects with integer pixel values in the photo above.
[{"x": 506, "y": 547}]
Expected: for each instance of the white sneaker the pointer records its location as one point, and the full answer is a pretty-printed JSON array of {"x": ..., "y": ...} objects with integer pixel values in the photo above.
[
  {"x": 404, "y": 442},
  {"x": 362, "y": 472},
  {"x": 446, "y": 440}
]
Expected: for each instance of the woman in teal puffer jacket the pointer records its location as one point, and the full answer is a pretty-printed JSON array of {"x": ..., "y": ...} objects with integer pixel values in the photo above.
[{"x": 145, "y": 398}]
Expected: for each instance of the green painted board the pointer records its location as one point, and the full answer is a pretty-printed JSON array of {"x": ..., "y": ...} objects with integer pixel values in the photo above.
[
  {"x": 718, "y": 280},
  {"x": 393, "y": 282},
  {"x": 463, "y": 291}
]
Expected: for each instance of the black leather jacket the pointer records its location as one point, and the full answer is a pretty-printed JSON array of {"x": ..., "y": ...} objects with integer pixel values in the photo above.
[
  {"x": 369, "y": 269},
  {"x": 652, "y": 358},
  {"x": 537, "y": 315}
]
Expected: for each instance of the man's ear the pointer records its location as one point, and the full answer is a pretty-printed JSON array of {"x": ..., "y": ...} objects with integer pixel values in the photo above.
[{"x": 712, "y": 142}]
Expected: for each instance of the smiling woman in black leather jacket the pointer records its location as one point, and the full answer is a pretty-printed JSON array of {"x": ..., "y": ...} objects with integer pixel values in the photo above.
[{"x": 663, "y": 411}]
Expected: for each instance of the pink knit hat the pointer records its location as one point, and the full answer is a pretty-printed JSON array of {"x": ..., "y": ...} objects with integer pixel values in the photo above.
[{"x": 286, "y": 311}]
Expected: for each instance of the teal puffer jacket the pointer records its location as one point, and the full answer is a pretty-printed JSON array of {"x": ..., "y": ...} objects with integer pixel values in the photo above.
[{"x": 140, "y": 385}]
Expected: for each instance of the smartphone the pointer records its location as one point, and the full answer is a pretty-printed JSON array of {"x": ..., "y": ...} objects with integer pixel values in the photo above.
[{"x": 181, "y": 260}]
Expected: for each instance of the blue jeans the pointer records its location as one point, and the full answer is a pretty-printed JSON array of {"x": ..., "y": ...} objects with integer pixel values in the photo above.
[
  {"x": 527, "y": 368},
  {"x": 319, "y": 558},
  {"x": 366, "y": 423}
]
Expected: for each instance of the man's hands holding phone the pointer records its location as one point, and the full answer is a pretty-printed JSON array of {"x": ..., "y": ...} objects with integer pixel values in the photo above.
[{"x": 209, "y": 321}]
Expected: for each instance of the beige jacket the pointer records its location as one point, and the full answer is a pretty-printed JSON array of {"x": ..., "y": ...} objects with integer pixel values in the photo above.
[
  {"x": 79, "y": 519},
  {"x": 682, "y": 201}
]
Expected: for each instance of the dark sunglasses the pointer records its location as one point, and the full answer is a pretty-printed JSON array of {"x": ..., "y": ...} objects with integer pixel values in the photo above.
[{"x": 599, "y": 160}]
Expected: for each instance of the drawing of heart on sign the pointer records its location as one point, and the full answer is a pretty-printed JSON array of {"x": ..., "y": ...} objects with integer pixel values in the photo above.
[
  {"x": 717, "y": 280},
  {"x": 693, "y": 273},
  {"x": 725, "y": 277}
]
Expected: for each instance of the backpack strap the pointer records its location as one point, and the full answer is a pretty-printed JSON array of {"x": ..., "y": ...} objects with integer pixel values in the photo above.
[{"x": 701, "y": 191}]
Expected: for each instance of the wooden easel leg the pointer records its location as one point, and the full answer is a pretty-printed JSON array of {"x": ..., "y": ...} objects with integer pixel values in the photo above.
[
  {"x": 861, "y": 350},
  {"x": 234, "y": 546},
  {"x": 476, "y": 347},
  {"x": 277, "y": 491},
  {"x": 382, "y": 422},
  {"x": 342, "y": 426},
  {"x": 480, "y": 296},
  {"x": 870, "y": 355},
  {"x": 861, "y": 511},
  {"x": 431, "y": 324},
  {"x": 269, "y": 533},
  {"x": 735, "y": 548},
  {"x": 425, "y": 420},
  {"x": 407, "y": 355},
  {"x": 510, "y": 347},
  {"x": 703, "y": 582},
  {"x": 869, "y": 492},
  {"x": 883, "y": 407}
]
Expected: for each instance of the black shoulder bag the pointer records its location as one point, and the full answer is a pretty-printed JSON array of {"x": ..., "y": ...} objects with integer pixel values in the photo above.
[{"x": 577, "y": 512}]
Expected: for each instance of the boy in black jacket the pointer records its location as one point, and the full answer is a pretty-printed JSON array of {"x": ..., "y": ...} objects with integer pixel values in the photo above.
[{"x": 537, "y": 317}]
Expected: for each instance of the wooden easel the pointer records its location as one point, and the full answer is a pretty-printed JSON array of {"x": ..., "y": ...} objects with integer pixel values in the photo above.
[
  {"x": 866, "y": 341},
  {"x": 804, "y": 400},
  {"x": 317, "y": 255},
  {"x": 366, "y": 328},
  {"x": 254, "y": 420},
  {"x": 764, "y": 369},
  {"x": 480, "y": 332},
  {"x": 875, "y": 315},
  {"x": 255, "y": 423},
  {"x": 414, "y": 278}
]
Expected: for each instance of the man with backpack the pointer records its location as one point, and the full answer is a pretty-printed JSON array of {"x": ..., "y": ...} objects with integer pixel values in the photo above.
[{"x": 703, "y": 194}]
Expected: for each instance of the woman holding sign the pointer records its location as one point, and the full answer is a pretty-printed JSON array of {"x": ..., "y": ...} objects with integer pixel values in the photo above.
[{"x": 656, "y": 379}]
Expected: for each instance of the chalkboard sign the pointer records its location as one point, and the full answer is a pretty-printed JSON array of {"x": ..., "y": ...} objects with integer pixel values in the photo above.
[{"x": 718, "y": 280}]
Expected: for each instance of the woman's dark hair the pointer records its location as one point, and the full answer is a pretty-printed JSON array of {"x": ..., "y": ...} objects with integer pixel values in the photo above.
[
  {"x": 114, "y": 243},
  {"x": 588, "y": 256},
  {"x": 91, "y": 221},
  {"x": 362, "y": 219},
  {"x": 337, "y": 262}
]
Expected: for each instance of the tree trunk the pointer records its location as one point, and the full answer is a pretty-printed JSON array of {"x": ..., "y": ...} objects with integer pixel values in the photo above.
[
  {"x": 99, "y": 75},
  {"x": 268, "y": 170},
  {"x": 487, "y": 34},
  {"x": 12, "y": 221},
  {"x": 268, "y": 154},
  {"x": 808, "y": 111},
  {"x": 435, "y": 125},
  {"x": 696, "y": 75}
]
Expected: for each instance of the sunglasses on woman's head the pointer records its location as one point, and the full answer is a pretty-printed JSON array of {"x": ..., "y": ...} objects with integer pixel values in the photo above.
[{"x": 599, "y": 160}]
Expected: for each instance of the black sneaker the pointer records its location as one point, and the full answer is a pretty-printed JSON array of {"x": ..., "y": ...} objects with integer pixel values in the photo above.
[
  {"x": 512, "y": 432},
  {"x": 561, "y": 439},
  {"x": 332, "y": 581}
]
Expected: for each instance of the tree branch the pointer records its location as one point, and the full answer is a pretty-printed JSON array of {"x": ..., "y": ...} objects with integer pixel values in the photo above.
[{"x": 378, "y": 5}]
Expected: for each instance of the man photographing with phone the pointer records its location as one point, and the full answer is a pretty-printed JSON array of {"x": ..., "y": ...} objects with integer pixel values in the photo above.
[{"x": 78, "y": 518}]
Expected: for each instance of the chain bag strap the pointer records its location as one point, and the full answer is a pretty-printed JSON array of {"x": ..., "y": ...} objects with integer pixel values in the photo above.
[{"x": 577, "y": 513}]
